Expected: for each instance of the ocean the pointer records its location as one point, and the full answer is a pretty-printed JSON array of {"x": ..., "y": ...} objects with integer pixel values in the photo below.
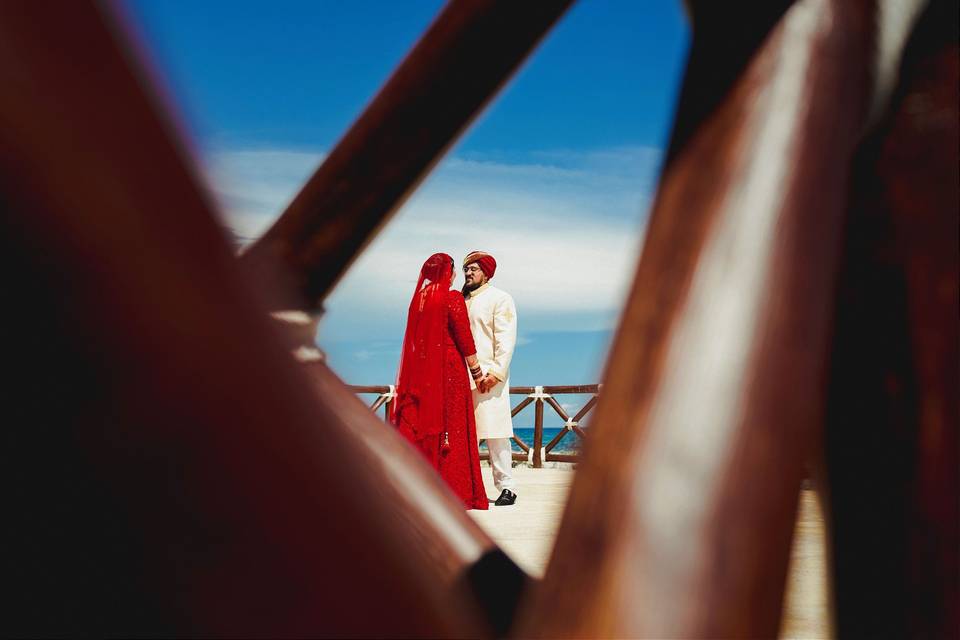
[{"x": 569, "y": 444}]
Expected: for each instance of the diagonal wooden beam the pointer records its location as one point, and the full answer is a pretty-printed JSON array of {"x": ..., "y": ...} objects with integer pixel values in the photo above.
[
  {"x": 893, "y": 430},
  {"x": 460, "y": 63},
  {"x": 714, "y": 392},
  {"x": 173, "y": 471}
]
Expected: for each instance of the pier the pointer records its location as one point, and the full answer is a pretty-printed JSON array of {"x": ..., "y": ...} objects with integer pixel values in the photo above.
[{"x": 526, "y": 532}]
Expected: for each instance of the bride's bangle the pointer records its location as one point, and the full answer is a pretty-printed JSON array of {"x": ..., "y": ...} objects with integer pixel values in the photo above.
[{"x": 476, "y": 372}]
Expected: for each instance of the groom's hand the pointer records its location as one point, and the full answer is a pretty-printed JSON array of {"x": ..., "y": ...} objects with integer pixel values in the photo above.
[{"x": 487, "y": 382}]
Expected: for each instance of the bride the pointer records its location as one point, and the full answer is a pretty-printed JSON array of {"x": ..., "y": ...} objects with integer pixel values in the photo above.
[{"x": 434, "y": 407}]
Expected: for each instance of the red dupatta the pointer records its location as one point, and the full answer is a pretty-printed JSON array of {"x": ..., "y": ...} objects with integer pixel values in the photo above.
[{"x": 419, "y": 407}]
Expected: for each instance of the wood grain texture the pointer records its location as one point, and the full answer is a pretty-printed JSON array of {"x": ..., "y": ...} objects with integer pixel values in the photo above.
[
  {"x": 892, "y": 428},
  {"x": 680, "y": 519},
  {"x": 169, "y": 469}
]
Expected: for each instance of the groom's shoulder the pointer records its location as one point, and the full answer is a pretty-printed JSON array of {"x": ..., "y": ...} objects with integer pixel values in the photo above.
[{"x": 500, "y": 294}]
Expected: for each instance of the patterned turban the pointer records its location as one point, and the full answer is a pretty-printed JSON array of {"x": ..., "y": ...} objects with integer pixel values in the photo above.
[{"x": 484, "y": 260}]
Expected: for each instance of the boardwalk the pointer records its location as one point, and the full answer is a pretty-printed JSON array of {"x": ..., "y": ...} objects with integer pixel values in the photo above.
[{"x": 527, "y": 530}]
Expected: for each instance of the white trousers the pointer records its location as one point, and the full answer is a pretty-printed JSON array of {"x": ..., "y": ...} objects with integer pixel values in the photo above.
[{"x": 501, "y": 461}]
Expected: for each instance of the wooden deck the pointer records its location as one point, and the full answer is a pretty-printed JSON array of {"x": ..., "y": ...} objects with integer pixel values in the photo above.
[{"x": 526, "y": 532}]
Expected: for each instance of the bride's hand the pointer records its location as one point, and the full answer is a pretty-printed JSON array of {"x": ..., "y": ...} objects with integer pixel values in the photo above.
[{"x": 487, "y": 382}]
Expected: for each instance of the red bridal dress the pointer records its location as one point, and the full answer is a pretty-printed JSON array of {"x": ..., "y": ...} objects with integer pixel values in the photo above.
[{"x": 434, "y": 408}]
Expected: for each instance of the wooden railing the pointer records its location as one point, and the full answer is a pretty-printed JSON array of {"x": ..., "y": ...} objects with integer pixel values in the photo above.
[
  {"x": 385, "y": 397},
  {"x": 795, "y": 303},
  {"x": 536, "y": 453}
]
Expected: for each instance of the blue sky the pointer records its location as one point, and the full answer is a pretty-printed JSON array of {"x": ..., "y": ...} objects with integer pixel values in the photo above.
[{"x": 554, "y": 178}]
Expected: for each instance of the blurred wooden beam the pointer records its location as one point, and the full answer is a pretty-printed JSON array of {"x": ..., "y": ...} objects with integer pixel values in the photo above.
[
  {"x": 714, "y": 392},
  {"x": 892, "y": 429},
  {"x": 460, "y": 63},
  {"x": 725, "y": 39},
  {"x": 170, "y": 468}
]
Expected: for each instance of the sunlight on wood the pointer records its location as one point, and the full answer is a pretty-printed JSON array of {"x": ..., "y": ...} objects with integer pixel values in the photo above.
[
  {"x": 805, "y": 604},
  {"x": 526, "y": 532}
]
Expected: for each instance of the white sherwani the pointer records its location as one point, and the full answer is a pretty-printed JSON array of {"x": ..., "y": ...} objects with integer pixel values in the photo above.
[{"x": 493, "y": 320}]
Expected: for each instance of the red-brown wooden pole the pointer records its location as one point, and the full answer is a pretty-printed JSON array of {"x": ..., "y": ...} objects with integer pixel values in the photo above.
[
  {"x": 538, "y": 435},
  {"x": 686, "y": 495},
  {"x": 523, "y": 404},
  {"x": 585, "y": 409},
  {"x": 892, "y": 430},
  {"x": 388, "y": 408},
  {"x": 172, "y": 472}
]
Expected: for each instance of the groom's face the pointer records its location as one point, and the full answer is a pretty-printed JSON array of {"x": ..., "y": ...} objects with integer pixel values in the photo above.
[{"x": 473, "y": 276}]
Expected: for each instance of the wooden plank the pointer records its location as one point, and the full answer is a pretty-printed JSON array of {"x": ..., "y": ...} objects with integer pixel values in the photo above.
[
  {"x": 585, "y": 409},
  {"x": 556, "y": 407},
  {"x": 714, "y": 389},
  {"x": 553, "y": 442},
  {"x": 523, "y": 445},
  {"x": 382, "y": 388},
  {"x": 571, "y": 389},
  {"x": 538, "y": 435},
  {"x": 188, "y": 480},
  {"x": 892, "y": 431},
  {"x": 523, "y": 404}
]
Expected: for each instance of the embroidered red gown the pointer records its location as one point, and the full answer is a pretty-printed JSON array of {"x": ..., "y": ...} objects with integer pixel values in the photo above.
[{"x": 460, "y": 465}]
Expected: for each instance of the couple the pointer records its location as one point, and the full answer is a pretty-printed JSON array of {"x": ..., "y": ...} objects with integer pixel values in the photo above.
[{"x": 452, "y": 385}]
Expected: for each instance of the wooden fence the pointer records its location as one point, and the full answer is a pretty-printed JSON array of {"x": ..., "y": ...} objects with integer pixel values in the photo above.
[
  {"x": 534, "y": 452},
  {"x": 796, "y": 300}
]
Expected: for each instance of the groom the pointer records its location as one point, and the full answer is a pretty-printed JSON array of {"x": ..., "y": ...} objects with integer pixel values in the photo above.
[{"x": 493, "y": 320}]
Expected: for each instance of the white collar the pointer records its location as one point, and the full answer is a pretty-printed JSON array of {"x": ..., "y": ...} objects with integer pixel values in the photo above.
[{"x": 479, "y": 290}]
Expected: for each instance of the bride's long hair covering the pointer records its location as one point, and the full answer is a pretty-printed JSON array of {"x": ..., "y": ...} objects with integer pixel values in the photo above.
[{"x": 419, "y": 405}]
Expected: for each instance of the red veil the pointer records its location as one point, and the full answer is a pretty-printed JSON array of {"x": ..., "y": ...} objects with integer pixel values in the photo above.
[{"x": 419, "y": 406}]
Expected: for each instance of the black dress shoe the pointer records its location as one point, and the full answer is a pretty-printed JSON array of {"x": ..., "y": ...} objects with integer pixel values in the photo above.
[{"x": 506, "y": 498}]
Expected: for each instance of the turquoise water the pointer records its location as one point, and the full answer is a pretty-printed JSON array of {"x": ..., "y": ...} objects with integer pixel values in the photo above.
[
  {"x": 571, "y": 441},
  {"x": 569, "y": 444}
]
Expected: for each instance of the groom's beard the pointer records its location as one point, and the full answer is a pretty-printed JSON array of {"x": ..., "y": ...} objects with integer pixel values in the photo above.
[{"x": 467, "y": 288}]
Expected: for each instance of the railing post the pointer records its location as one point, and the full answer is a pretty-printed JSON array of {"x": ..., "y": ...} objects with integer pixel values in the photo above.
[
  {"x": 538, "y": 430},
  {"x": 536, "y": 453},
  {"x": 388, "y": 405}
]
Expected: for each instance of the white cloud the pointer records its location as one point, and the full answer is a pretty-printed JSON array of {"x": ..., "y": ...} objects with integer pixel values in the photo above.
[
  {"x": 254, "y": 186},
  {"x": 564, "y": 226}
]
